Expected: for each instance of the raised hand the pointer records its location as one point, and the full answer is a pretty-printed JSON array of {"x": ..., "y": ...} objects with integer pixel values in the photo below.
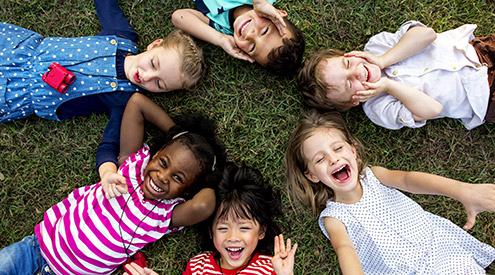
[
  {"x": 265, "y": 9},
  {"x": 283, "y": 259},
  {"x": 135, "y": 269},
  {"x": 368, "y": 56},
  {"x": 229, "y": 46},
  {"x": 372, "y": 90},
  {"x": 478, "y": 198}
]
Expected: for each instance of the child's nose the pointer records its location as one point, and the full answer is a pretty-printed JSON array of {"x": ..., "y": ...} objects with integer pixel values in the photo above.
[{"x": 233, "y": 236}]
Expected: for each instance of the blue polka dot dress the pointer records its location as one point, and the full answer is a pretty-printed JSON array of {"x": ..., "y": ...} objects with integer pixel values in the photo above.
[
  {"x": 25, "y": 56},
  {"x": 394, "y": 235}
]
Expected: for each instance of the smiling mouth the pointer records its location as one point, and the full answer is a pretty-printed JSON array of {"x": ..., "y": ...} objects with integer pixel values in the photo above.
[
  {"x": 155, "y": 187},
  {"x": 244, "y": 26},
  {"x": 367, "y": 73},
  {"x": 342, "y": 174},
  {"x": 235, "y": 252},
  {"x": 136, "y": 77}
]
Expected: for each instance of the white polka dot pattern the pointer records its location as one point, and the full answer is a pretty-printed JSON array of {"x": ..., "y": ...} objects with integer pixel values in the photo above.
[
  {"x": 394, "y": 235},
  {"x": 25, "y": 56}
]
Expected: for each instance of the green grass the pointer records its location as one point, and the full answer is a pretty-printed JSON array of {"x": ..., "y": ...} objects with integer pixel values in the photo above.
[{"x": 41, "y": 161}]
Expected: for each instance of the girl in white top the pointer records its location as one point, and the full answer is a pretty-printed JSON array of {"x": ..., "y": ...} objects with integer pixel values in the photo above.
[{"x": 374, "y": 228}]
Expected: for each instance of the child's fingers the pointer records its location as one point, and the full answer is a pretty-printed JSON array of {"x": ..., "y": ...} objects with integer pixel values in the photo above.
[
  {"x": 276, "y": 247},
  {"x": 288, "y": 244},
  {"x": 471, "y": 220},
  {"x": 282, "y": 244},
  {"x": 121, "y": 189}
]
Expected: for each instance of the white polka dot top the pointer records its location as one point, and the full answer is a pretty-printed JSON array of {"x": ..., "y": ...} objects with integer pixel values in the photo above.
[{"x": 394, "y": 235}]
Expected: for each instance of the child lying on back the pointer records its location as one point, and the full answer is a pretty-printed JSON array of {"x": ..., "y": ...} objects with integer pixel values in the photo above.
[
  {"x": 408, "y": 77},
  {"x": 251, "y": 30}
]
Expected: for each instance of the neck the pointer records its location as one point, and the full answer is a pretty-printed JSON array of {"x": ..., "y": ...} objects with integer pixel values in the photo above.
[
  {"x": 351, "y": 196},
  {"x": 127, "y": 63}
]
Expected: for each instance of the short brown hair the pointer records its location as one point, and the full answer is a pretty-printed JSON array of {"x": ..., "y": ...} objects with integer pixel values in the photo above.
[
  {"x": 302, "y": 189},
  {"x": 193, "y": 63},
  {"x": 287, "y": 58},
  {"x": 312, "y": 86}
]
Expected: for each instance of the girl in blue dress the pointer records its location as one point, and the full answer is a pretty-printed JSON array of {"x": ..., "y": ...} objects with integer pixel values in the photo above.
[{"x": 107, "y": 67}]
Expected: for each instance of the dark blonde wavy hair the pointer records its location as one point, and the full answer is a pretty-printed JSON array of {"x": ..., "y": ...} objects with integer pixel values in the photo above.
[
  {"x": 193, "y": 63},
  {"x": 302, "y": 189}
]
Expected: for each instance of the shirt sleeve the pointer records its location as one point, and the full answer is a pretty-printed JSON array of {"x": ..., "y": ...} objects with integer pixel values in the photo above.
[
  {"x": 113, "y": 21},
  {"x": 387, "y": 111},
  {"x": 109, "y": 147}
]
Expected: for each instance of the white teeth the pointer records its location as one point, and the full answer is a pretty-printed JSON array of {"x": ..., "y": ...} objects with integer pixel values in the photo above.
[
  {"x": 153, "y": 185},
  {"x": 341, "y": 168},
  {"x": 234, "y": 249},
  {"x": 244, "y": 27}
]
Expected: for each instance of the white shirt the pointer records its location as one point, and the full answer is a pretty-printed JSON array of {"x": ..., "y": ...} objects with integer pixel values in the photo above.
[{"x": 448, "y": 70}]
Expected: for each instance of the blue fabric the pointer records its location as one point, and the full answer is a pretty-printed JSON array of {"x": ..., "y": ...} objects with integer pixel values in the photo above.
[
  {"x": 25, "y": 56},
  {"x": 23, "y": 258},
  {"x": 218, "y": 11}
]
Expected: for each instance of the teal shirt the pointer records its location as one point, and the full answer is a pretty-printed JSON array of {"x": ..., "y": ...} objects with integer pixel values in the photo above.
[{"x": 218, "y": 11}]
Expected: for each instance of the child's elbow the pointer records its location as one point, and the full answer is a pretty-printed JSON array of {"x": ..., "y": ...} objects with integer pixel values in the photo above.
[
  {"x": 178, "y": 17},
  {"x": 430, "y": 34}
]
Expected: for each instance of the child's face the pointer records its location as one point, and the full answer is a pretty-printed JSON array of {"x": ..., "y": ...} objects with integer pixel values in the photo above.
[
  {"x": 235, "y": 240},
  {"x": 257, "y": 36},
  {"x": 157, "y": 70},
  {"x": 170, "y": 172},
  {"x": 332, "y": 161},
  {"x": 344, "y": 76}
]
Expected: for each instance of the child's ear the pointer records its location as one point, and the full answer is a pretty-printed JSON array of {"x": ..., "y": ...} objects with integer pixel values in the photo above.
[
  {"x": 262, "y": 233},
  {"x": 154, "y": 44},
  {"x": 311, "y": 177}
]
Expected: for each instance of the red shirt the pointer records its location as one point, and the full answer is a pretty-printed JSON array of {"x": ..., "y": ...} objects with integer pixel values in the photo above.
[{"x": 204, "y": 264}]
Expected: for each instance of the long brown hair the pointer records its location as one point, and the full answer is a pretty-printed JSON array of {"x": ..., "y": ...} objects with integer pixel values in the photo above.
[{"x": 302, "y": 189}]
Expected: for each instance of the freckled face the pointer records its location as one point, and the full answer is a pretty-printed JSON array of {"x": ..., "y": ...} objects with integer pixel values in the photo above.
[
  {"x": 235, "y": 240},
  {"x": 157, "y": 70},
  {"x": 170, "y": 172},
  {"x": 257, "y": 36},
  {"x": 345, "y": 75}
]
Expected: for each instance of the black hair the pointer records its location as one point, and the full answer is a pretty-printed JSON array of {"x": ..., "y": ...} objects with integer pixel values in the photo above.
[
  {"x": 242, "y": 193},
  {"x": 198, "y": 134}
]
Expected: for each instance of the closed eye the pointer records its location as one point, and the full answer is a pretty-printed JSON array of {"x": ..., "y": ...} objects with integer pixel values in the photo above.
[
  {"x": 252, "y": 48},
  {"x": 320, "y": 160},
  {"x": 338, "y": 149},
  {"x": 152, "y": 63},
  {"x": 265, "y": 31}
]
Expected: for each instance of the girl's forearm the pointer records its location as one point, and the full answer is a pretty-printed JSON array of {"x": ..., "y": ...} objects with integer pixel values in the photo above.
[
  {"x": 413, "y": 41},
  {"x": 421, "y": 105},
  {"x": 196, "y": 24}
]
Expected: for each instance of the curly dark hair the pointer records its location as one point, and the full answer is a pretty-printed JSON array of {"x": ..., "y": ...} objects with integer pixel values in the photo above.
[
  {"x": 242, "y": 193},
  {"x": 287, "y": 58},
  {"x": 197, "y": 133}
]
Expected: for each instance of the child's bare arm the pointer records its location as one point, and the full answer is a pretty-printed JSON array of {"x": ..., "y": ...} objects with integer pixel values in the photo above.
[
  {"x": 476, "y": 198},
  {"x": 138, "y": 110},
  {"x": 195, "y": 210},
  {"x": 346, "y": 252},
  {"x": 422, "y": 106},
  {"x": 196, "y": 24},
  {"x": 413, "y": 41}
]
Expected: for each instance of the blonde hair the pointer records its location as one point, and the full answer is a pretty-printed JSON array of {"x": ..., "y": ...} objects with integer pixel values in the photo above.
[
  {"x": 312, "y": 86},
  {"x": 302, "y": 189},
  {"x": 193, "y": 63}
]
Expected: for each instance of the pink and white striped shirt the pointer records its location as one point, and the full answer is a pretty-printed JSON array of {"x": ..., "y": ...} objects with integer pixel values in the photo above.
[
  {"x": 204, "y": 264},
  {"x": 81, "y": 234}
]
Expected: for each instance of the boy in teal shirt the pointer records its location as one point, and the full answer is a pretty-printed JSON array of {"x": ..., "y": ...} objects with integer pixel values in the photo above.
[{"x": 251, "y": 30}]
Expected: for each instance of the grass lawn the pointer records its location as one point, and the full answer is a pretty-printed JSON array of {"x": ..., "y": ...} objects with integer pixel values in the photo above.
[{"x": 41, "y": 161}]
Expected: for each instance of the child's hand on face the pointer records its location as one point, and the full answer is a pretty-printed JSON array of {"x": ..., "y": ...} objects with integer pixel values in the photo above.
[
  {"x": 228, "y": 45},
  {"x": 137, "y": 270},
  {"x": 372, "y": 90},
  {"x": 113, "y": 184},
  {"x": 265, "y": 9},
  {"x": 476, "y": 199},
  {"x": 371, "y": 58},
  {"x": 283, "y": 256}
]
